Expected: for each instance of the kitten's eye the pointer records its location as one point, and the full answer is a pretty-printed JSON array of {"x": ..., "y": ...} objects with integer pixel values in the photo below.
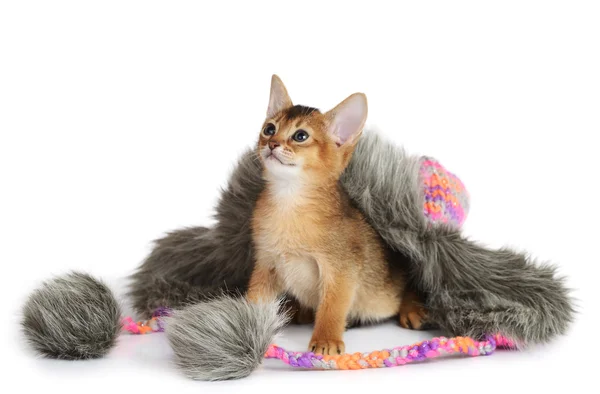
[
  {"x": 269, "y": 130},
  {"x": 300, "y": 136}
]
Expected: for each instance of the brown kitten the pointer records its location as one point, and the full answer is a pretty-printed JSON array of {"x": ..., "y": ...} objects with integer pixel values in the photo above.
[{"x": 311, "y": 242}]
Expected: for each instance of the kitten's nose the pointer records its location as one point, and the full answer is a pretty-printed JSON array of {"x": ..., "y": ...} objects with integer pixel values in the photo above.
[{"x": 273, "y": 144}]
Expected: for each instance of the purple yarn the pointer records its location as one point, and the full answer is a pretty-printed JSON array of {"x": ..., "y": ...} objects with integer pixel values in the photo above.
[
  {"x": 491, "y": 340},
  {"x": 293, "y": 362},
  {"x": 162, "y": 311},
  {"x": 305, "y": 362}
]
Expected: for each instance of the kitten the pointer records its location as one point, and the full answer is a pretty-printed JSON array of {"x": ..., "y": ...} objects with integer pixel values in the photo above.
[{"x": 311, "y": 241}]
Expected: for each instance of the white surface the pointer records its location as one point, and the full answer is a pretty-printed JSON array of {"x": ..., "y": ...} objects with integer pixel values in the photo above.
[{"x": 120, "y": 121}]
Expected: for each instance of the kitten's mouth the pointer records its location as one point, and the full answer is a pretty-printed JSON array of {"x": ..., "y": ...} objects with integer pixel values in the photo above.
[{"x": 272, "y": 157}]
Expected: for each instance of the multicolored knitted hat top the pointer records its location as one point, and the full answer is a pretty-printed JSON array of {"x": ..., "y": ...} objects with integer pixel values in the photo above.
[{"x": 446, "y": 199}]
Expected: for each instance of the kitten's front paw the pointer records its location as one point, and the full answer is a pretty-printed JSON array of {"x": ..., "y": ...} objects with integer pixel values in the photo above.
[{"x": 327, "y": 346}]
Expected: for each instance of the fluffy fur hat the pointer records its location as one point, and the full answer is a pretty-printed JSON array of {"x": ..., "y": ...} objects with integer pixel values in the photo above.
[{"x": 415, "y": 204}]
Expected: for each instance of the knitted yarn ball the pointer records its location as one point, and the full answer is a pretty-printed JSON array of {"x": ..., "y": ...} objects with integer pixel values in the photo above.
[{"x": 446, "y": 200}]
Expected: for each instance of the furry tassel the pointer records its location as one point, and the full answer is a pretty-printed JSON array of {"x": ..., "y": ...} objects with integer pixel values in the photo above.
[
  {"x": 72, "y": 317},
  {"x": 224, "y": 338}
]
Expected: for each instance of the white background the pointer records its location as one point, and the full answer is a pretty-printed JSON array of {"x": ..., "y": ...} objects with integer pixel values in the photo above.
[{"x": 121, "y": 120}]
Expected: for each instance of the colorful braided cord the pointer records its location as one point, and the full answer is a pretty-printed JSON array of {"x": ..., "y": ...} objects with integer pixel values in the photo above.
[
  {"x": 446, "y": 198},
  {"x": 154, "y": 324},
  {"x": 397, "y": 356}
]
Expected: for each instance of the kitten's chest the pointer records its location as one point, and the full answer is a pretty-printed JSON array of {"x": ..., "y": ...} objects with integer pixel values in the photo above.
[
  {"x": 286, "y": 230},
  {"x": 299, "y": 276},
  {"x": 291, "y": 256},
  {"x": 288, "y": 239}
]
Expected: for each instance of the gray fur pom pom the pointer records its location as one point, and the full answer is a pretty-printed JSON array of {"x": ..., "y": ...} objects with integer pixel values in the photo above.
[
  {"x": 72, "y": 317},
  {"x": 224, "y": 338}
]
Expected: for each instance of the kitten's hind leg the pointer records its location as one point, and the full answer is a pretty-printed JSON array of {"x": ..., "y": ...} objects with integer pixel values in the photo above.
[{"x": 413, "y": 314}]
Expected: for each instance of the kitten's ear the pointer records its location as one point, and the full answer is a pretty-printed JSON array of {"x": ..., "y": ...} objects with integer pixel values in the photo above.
[
  {"x": 279, "y": 98},
  {"x": 347, "y": 119}
]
